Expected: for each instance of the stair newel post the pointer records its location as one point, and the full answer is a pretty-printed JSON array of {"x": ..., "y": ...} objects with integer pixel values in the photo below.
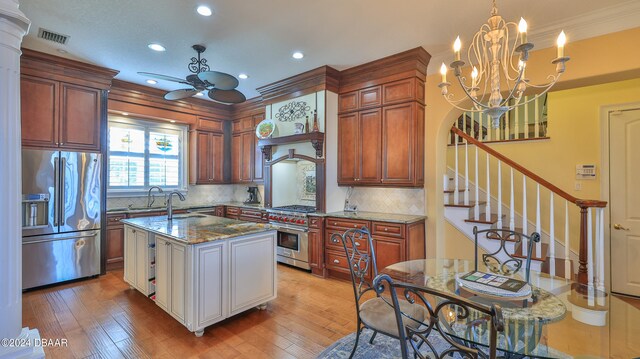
[
  {"x": 596, "y": 249},
  {"x": 455, "y": 177},
  {"x": 476, "y": 209},
  {"x": 512, "y": 211},
  {"x": 590, "y": 249},
  {"x": 466, "y": 173},
  {"x": 538, "y": 224},
  {"x": 567, "y": 252},
  {"x": 552, "y": 236},
  {"x": 487, "y": 207},
  {"x": 499, "y": 225},
  {"x": 582, "y": 269}
]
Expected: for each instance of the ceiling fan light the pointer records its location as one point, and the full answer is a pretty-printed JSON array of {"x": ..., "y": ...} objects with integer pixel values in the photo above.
[
  {"x": 199, "y": 94},
  {"x": 156, "y": 47},
  {"x": 204, "y": 10},
  {"x": 152, "y": 82}
]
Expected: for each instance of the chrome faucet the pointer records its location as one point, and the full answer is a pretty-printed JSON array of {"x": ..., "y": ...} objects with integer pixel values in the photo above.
[
  {"x": 170, "y": 203},
  {"x": 151, "y": 198}
]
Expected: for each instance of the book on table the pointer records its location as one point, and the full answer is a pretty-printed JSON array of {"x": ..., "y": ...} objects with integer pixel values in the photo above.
[{"x": 494, "y": 285}]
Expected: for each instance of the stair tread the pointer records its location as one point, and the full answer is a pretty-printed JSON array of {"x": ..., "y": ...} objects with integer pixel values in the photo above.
[
  {"x": 535, "y": 255},
  {"x": 453, "y": 190},
  {"x": 462, "y": 205},
  {"x": 494, "y": 219}
]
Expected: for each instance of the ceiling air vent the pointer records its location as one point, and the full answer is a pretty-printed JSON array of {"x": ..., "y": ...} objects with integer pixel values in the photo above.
[{"x": 52, "y": 36}]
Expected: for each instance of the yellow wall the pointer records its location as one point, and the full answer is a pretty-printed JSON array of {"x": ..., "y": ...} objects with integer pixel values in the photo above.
[
  {"x": 575, "y": 138},
  {"x": 597, "y": 60}
]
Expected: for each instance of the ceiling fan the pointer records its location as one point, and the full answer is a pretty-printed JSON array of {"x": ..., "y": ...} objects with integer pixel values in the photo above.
[{"x": 221, "y": 87}]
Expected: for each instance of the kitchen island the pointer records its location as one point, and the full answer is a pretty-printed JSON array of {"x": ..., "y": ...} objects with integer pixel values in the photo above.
[{"x": 201, "y": 269}]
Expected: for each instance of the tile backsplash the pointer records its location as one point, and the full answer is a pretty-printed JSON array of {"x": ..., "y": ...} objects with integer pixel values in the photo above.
[
  {"x": 196, "y": 195},
  {"x": 389, "y": 200}
]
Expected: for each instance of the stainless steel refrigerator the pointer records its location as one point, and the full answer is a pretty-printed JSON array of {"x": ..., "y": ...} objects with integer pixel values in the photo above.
[{"x": 61, "y": 203}]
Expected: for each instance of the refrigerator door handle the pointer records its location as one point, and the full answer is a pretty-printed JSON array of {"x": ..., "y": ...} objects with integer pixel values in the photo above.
[
  {"x": 50, "y": 239},
  {"x": 56, "y": 190},
  {"x": 62, "y": 198}
]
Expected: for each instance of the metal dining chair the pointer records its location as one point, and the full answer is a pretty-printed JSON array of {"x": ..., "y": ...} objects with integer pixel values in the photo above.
[
  {"x": 375, "y": 313},
  {"x": 512, "y": 264},
  {"x": 444, "y": 308}
]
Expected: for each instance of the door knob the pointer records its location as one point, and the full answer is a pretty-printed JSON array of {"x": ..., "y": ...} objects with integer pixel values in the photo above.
[{"x": 620, "y": 227}]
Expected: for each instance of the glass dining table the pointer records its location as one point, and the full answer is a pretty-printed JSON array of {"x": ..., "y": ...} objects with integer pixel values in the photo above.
[{"x": 543, "y": 326}]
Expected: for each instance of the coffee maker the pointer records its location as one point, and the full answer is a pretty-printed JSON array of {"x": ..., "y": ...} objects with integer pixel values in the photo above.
[{"x": 254, "y": 196}]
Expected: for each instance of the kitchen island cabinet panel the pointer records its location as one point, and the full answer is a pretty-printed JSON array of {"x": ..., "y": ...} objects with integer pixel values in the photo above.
[
  {"x": 251, "y": 283},
  {"x": 163, "y": 269},
  {"x": 211, "y": 265},
  {"x": 177, "y": 280}
]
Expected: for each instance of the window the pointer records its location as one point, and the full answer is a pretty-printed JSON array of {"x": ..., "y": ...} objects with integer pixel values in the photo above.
[{"x": 144, "y": 154}]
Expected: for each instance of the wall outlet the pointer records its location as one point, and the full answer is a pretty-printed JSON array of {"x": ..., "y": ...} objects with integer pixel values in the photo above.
[{"x": 578, "y": 186}]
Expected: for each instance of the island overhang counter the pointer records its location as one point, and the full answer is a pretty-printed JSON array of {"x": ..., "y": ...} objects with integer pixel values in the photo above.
[{"x": 201, "y": 269}]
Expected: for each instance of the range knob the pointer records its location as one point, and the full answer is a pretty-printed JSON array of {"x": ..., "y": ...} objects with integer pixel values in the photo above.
[
  {"x": 280, "y": 218},
  {"x": 301, "y": 221}
]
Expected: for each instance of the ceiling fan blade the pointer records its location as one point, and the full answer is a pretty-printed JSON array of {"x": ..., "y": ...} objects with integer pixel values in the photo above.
[
  {"x": 180, "y": 94},
  {"x": 226, "y": 96},
  {"x": 219, "y": 80},
  {"x": 163, "y": 77}
]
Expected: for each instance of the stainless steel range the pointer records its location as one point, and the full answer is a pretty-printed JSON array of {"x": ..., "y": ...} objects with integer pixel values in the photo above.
[{"x": 293, "y": 238}]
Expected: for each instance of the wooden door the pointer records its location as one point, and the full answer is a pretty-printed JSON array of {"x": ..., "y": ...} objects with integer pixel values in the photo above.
[
  {"x": 115, "y": 246},
  {"x": 258, "y": 157},
  {"x": 369, "y": 137},
  {"x": 216, "y": 157},
  {"x": 80, "y": 115},
  {"x": 246, "y": 163},
  {"x": 624, "y": 177},
  {"x": 203, "y": 155},
  {"x": 162, "y": 273},
  {"x": 398, "y": 134},
  {"x": 348, "y": 148},
  {"x": 39, "y": 106},
  {"x": 236, "y": 157},
  {"x": 177, "y": 281},
  {"x": 388, "y": 251}
]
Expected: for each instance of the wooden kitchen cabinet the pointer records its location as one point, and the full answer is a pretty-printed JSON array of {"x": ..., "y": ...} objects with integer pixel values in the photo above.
[
  {"x": 206, "y": 158},
  {"x": 381, "y": 136},
  {"x": 316, "y": 245},
  {"x": 247, "y": 160},
  {"x": 115, "y": 241},
  {"x": 392, "y": 243},
  {"x": 60, "y": 115}
]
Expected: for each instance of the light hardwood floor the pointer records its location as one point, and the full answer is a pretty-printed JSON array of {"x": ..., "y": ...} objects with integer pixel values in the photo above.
[{"x": 103, "y": 318}]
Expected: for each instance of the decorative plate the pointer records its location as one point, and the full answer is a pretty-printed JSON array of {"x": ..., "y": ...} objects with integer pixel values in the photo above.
[{"x": 265, "y": 128}]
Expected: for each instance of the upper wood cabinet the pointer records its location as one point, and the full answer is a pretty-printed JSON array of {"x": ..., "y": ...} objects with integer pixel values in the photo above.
[
  {"x": 206, "y": 158},
  {"x": 410, "y": 89},
  {"x": 247, "y": 160},
  {"x": 383, "y": 146},
  {"x": 60, "y": 115}
]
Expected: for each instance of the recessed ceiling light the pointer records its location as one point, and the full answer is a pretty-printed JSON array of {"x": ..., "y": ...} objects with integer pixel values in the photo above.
[
  {"x": 243, "y": 76},
  {"x": 156, "y": 47},
  {"x": 204, "y": 10},
  {"x": 297, "y": 55},
  {"x": 173, "y": 121},
  {"x": 199, "y": 94},
  {"x": 125, "y": 114},
  {"x": 152, "y": 82}
]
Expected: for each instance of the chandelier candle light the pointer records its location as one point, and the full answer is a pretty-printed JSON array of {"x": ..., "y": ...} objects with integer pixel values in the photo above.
[{"x": 494, "y": 54}]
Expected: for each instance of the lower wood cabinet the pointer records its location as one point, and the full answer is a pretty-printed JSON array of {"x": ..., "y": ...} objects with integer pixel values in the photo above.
[
  {"x": 316, "y": 252},
  {"x": 392, "y": 243},
  {"x": 115, "y": 241}
]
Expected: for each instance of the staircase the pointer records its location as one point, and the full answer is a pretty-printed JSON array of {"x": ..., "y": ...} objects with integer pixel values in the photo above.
[{"x": 484, "y": 188}]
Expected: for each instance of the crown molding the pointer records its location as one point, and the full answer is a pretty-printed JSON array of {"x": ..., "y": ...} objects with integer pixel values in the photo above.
[
  {"x": 619, "y": 17},
  {"x": 322, "y": 78}
]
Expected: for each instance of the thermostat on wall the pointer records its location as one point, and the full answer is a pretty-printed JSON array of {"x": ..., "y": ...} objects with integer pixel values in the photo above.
[{"x": 586, "y": 172}]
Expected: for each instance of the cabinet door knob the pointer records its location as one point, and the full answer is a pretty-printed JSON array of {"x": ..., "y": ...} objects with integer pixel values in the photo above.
[
  {"x": 386, "y": 229},
  {"x": 334, "y": 240},
  {"x": 357, "y": 244},
  {"x": 355, "y": 226},
  {"x": 336, "y": 261},
  {"x": 335, "y": 223}
]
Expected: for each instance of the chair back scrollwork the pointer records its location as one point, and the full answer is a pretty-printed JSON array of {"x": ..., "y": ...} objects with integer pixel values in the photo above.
[
  {"x": 511, "y": 264},
  {"x": 443, "y": 311},
  {"x": 359, "y": 262}
]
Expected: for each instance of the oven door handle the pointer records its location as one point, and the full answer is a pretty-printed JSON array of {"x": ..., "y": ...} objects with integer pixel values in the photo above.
[{"x": 288, "y": 229}]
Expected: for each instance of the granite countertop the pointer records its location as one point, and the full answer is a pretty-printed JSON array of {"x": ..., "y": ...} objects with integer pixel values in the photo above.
[
  {"x": 375, "y": 216},
  {"x": 188, "y": 207},
  {"x": 197, "y": 228}
]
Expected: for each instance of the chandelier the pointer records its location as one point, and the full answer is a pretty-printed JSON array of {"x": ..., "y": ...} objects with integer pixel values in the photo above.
[{"x": 498, "y": 55}]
